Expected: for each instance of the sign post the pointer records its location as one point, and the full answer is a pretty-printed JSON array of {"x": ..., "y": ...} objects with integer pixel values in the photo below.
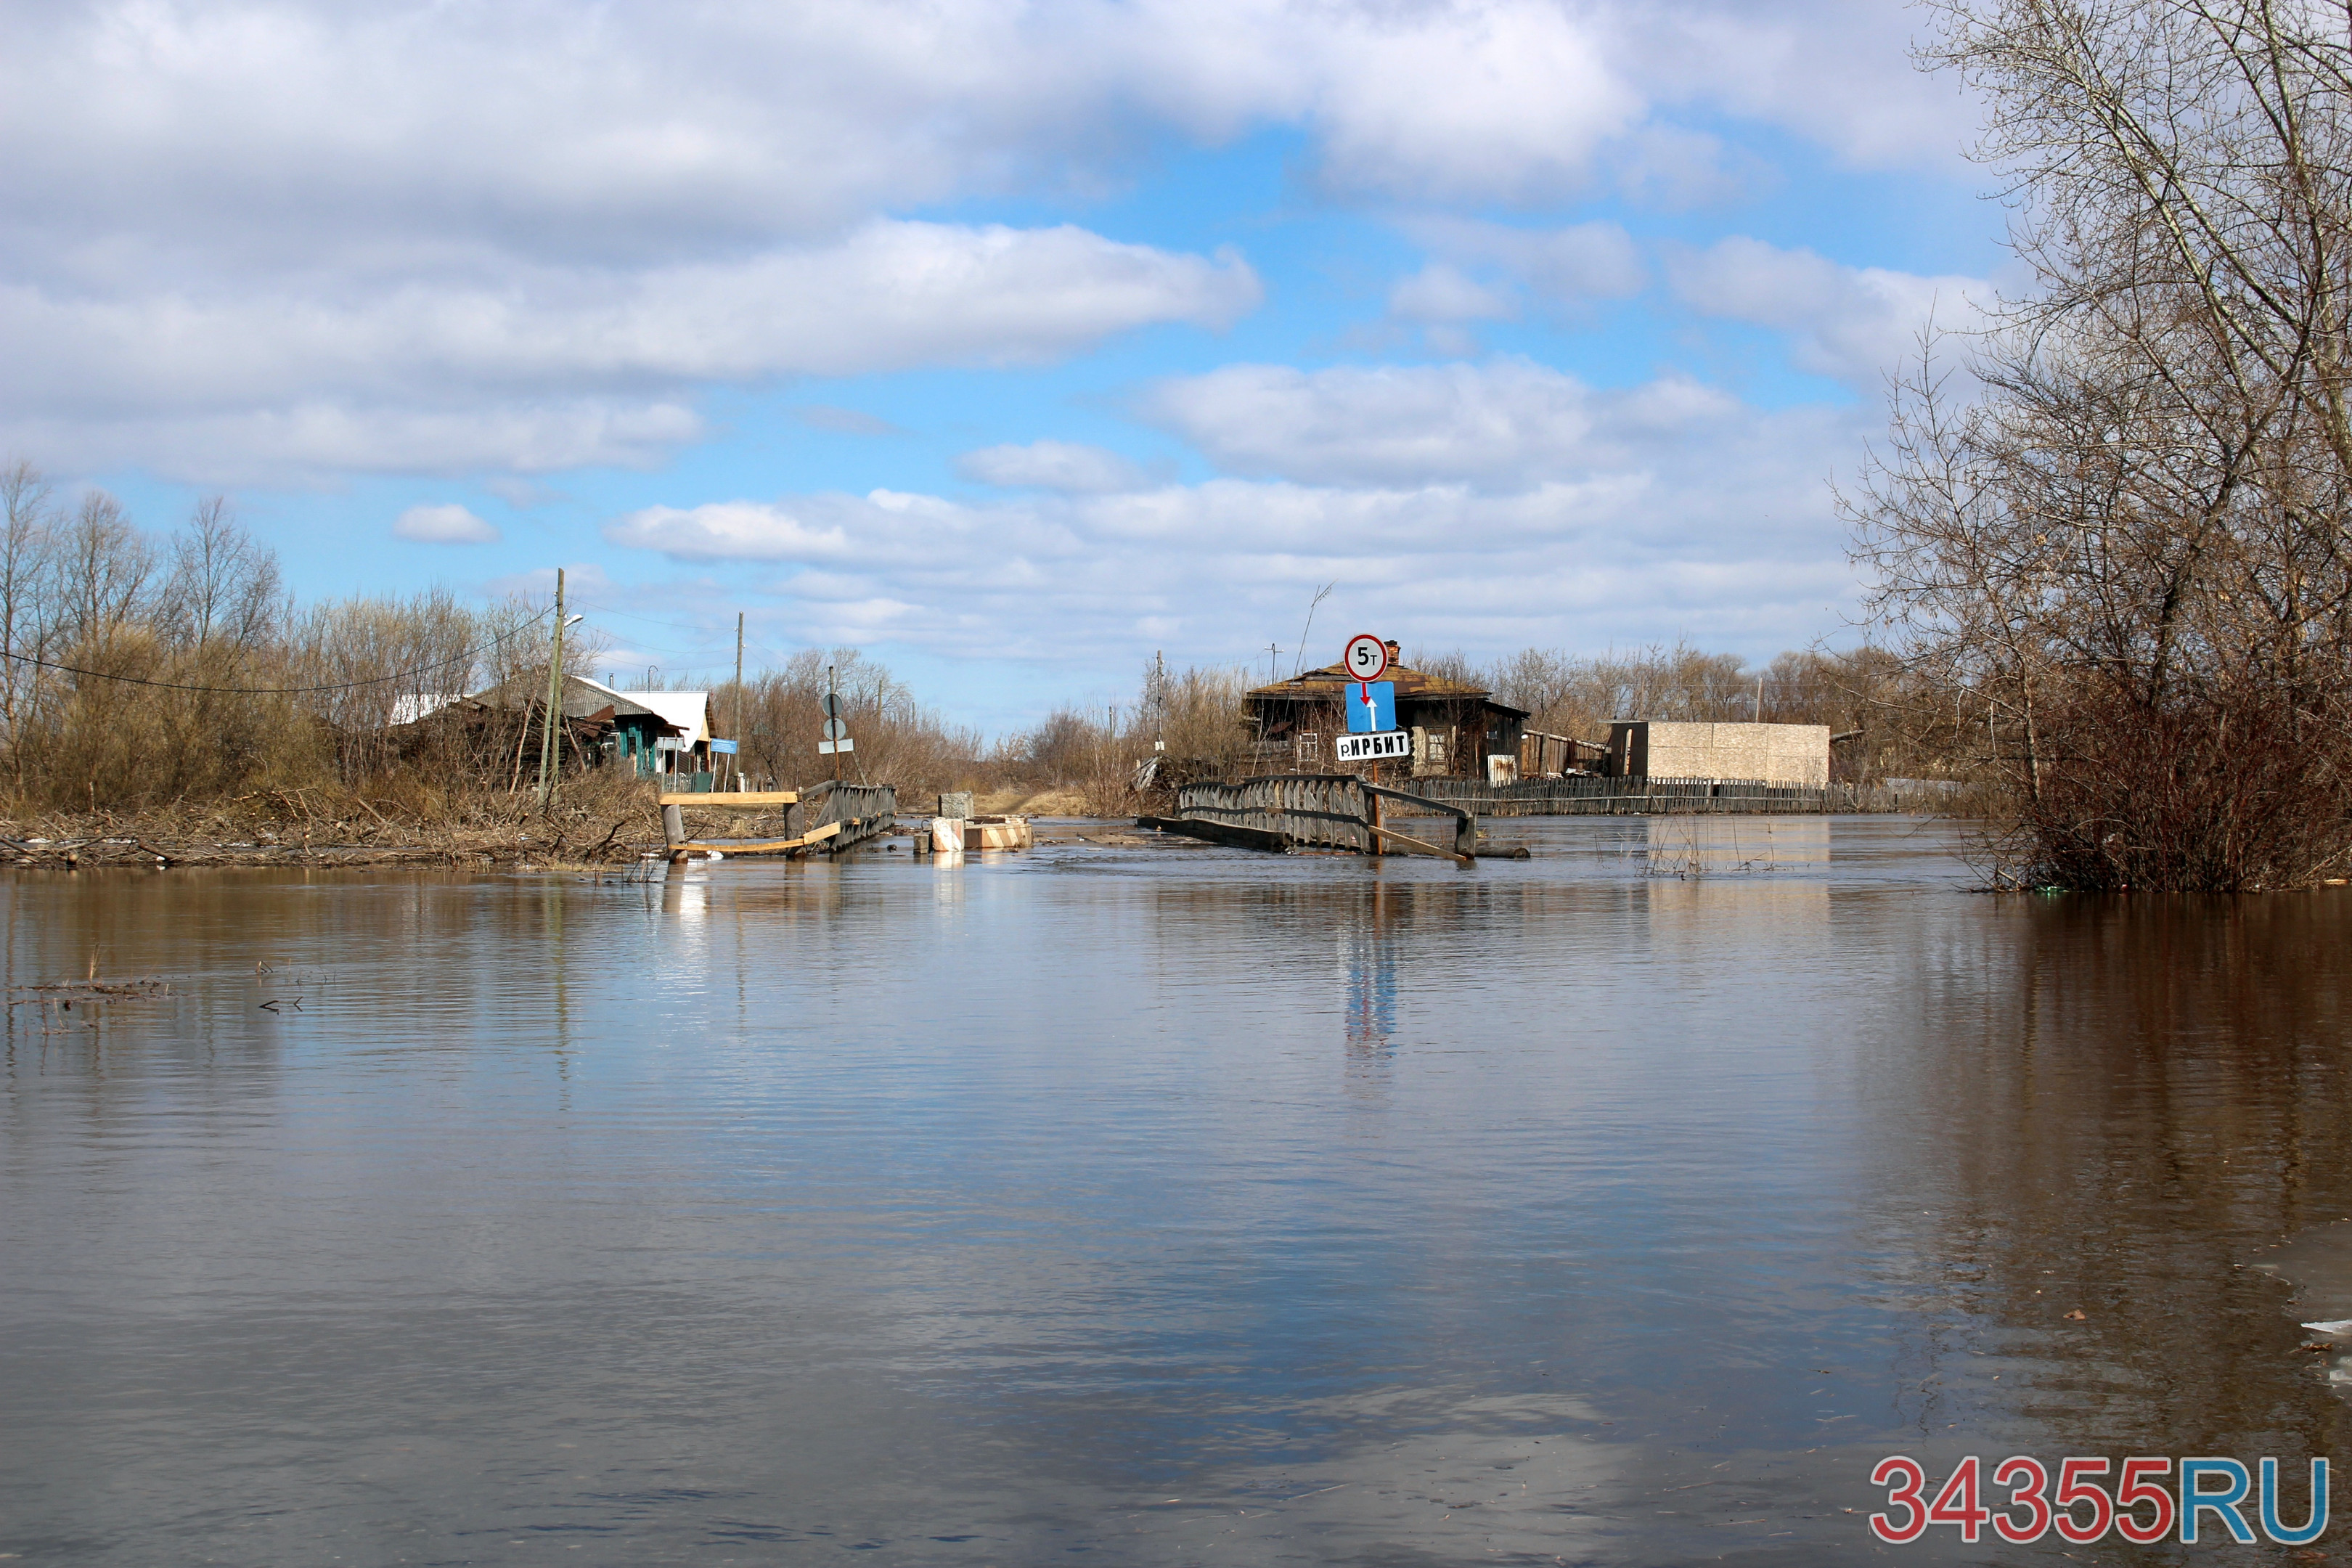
[
  {"x": 1372, "y": 734},
  {"x": 837, "y": 733}
]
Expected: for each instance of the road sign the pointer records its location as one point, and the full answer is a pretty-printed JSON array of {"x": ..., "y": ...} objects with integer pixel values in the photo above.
[
  {"x": 722, "y": 748},
  {"x": 835, "y": 729},
  {"x": 1380, "y": 748},
  {"x": 1371, "y": 705},
  {"x": 827, "y": 748},
  {"x": 831, "y": 703},
  {"x": 1367, "y": 657}
]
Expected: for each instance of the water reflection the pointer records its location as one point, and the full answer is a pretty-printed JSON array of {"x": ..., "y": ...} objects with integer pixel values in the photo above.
[
  {"x": 980, "y": 1213},
  {"x": 1370, "y": 947},
  {"x": 2112, "y": 1106}
]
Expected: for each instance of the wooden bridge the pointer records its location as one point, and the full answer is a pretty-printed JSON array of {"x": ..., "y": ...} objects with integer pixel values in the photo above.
[
  {"x": 1319, "y": 811},
  {"x": 845, "y": 815}
]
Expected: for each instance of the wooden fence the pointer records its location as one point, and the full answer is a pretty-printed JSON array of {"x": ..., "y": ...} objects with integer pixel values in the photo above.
[{"x": 1643, "y": 798}]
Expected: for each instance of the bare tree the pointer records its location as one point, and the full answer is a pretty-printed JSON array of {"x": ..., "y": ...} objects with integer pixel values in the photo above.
[
  {"x": 2125, "y": 551},
  {"x": 27, "y": 523},
  {"x": 224, "y": 587},
  {"x": 103, "y": 567}
]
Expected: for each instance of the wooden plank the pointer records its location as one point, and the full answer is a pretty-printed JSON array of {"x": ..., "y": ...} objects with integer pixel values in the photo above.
[
  {"x": 1444, "y": 807},
  {"x": 748, "y": 800},
  {"x": 1394, "y": 836},
  {"x": 1219, "y": 832},
  {"x": 759, "y": 846}
]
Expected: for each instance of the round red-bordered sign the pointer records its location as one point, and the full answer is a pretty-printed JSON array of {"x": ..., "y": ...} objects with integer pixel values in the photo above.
[{"x": 1366, "y": 658}]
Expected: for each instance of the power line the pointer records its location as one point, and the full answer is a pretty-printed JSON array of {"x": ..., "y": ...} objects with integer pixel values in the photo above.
[{"x": 467, "y": 657}]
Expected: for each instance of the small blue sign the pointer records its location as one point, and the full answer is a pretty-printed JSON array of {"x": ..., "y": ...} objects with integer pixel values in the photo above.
[
  {"x": 722, "y": 748},
  {"x": 1367, "y": 718}
]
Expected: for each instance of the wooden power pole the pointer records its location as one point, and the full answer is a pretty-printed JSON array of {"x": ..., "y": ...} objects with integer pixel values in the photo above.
[
  {"x": 547, "y": 762},
  {"x": 738, "y": 736}
]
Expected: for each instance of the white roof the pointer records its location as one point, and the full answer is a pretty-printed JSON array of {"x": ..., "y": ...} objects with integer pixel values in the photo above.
[
  {"x": 408, "y": 707},
  {"x": 686, "y": 711}
]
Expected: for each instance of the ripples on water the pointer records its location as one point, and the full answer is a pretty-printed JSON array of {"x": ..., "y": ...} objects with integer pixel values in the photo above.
[{"x": 1151, "y": 1206}]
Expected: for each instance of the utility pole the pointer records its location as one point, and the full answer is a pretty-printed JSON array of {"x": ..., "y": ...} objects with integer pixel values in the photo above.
[
  {"x": 738, "y": 736},
  {"x": 1159, "y": 701},
  {"x": 833, "y": 709},
  {"x": 547, "y": 768},
  {"x": 1273, "y": 657},
  {"x": 1759, "y": 699}
]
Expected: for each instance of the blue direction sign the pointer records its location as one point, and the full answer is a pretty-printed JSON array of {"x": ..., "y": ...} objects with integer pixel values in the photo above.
[{"x": 1371, "y": 707}]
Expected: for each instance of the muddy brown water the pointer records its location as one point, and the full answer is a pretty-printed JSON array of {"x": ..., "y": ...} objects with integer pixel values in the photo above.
[{"x": 1151, "y": 1206}]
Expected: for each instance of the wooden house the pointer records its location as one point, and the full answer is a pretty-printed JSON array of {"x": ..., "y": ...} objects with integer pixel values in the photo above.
[
  {"x": 663, "y": 733},
  {"x": 1455, "y": 727}
]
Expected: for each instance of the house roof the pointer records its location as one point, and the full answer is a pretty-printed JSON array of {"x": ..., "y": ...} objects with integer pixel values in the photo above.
[
  {"x": 1412, "y": 685},
  {"x": 686, "y": 712}
]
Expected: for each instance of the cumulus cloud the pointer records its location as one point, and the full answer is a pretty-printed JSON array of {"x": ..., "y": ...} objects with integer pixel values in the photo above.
[
  {"x": 1583, "y": 261},
  {"x": 1483, "y": 505},
  {"x": 272, "y": 374},
  {"x": 845, "y": 421},
  {"x": 279, "y": 237},
  {"x": 1440, "y": 292},
  {"x": 1496, "y": 427},
  {"x": 1486, "y": 271},
  {"x": 1850, "y": 323},
  {"x": 1836, "y": 72},
  {"x": 1069, "y": 466},
  {"x": 449, "y": 524}
]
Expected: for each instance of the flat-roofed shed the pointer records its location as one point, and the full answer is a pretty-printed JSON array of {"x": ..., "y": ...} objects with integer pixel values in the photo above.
[{"x": 1456, "y": 726}]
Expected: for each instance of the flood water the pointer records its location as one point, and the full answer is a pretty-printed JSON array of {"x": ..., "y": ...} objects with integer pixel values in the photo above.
[{"x": 1149, "y": 1206}]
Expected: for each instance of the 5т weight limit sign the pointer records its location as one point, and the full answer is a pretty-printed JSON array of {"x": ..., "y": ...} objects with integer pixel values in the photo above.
[{"x": 1371, "y": 705}]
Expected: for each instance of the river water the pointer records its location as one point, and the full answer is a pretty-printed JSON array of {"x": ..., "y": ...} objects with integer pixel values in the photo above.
[{"x": 1623, "y": 1204}]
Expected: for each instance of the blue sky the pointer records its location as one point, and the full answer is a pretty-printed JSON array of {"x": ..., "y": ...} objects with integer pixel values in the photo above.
[{"x": 1010, "y": 343}]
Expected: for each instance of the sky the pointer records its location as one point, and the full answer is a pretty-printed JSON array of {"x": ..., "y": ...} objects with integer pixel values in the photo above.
[{"x": 1012, "y": 344}]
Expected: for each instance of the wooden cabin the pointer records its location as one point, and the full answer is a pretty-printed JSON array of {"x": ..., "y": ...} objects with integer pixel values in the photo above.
[{"x": 1455, "y": 727}]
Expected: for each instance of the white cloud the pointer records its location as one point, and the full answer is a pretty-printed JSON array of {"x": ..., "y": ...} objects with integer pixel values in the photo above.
[
  {"x": 1440, "y": 292},
  {"x": 1067, "y": 466},
  {"x": 282, "y": 238},
  {"x": 1850, "y": 323},
  {"x": 1491, "y": 102},
  {"x": 449, "y": 524},
  {"x": 1584, "y": 261},
  {"x": 1489, "y": 506},
  {"x": 1500, "y": 426},
  {"x": 845, "y": 421},
  {"x": 1835, "y": 72},
  {"x": 272, "y": 378},
  {"x": 1674, "y": 168}
]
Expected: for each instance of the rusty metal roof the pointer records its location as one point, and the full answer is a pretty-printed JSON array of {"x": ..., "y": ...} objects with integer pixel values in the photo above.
[{"x": 1322, "y": 685}]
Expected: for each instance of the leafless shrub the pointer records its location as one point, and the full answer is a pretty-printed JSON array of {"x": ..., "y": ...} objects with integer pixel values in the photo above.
[
  {"x": 2120, "y": 547},
  {"x": 897, "y": 741}
]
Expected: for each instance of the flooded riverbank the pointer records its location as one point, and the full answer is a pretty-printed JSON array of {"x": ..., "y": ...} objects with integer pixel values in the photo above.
[{"x": 1623, "y": 1205}]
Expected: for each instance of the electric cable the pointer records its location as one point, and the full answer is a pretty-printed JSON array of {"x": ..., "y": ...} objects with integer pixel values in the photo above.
[{"x": 467, "y": 657}]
